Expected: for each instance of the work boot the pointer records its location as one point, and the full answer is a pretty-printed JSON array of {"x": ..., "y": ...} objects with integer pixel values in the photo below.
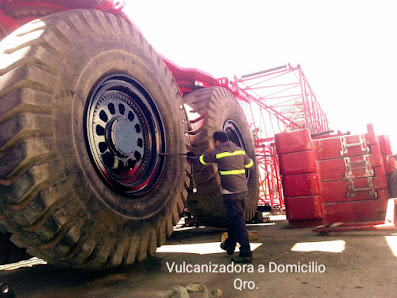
[
  {"x": 229, "y": 250},
  {"x": 242, "y": 259}
]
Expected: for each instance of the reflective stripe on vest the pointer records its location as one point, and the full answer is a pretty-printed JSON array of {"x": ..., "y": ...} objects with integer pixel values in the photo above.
[
  {"x": 201, "y": 159},
  {"x": 225, "y": 154},
  {"x": 249, "y": 164},
  {"x": 234, "y": 172}
]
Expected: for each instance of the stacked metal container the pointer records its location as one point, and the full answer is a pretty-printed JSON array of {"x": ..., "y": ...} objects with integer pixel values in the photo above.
[{"x": 333, "y": 179}]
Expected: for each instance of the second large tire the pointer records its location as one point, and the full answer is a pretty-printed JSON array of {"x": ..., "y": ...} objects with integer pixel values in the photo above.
[{"x": 209, "y": 110}]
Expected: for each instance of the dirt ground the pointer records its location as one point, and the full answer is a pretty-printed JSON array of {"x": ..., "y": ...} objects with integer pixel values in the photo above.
[{"x": 287, "y": 263}]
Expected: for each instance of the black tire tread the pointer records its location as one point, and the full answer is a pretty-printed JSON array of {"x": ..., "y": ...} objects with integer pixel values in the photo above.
[
  {"x": 207, "y": 203},
  {"x": 38, "y": 74}
]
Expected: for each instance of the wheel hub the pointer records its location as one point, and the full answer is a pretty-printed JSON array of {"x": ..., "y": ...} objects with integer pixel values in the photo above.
[{"x": 124, "y": 135}]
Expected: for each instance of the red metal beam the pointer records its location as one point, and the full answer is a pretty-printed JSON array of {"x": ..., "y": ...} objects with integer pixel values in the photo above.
[{"x": 277, "y": 107}]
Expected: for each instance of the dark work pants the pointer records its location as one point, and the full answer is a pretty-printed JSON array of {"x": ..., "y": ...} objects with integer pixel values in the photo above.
[{"x": 236, "y": 229}]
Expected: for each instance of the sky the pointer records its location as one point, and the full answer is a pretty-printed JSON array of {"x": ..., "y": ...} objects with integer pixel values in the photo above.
[{"x": 347, "y": 49}]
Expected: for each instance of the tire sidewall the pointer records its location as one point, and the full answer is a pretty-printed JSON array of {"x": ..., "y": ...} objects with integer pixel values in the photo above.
[
  {"x": 217, "y": 105},
  {"x": 137, "y": 63}
]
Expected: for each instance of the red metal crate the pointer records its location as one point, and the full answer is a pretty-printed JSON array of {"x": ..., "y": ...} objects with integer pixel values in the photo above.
[
  {"x": 304, "y": 207},
  {"x": 352, "y": 189},
  {"x": 349, "y": 190},
  {"x": 301, "y": 185},
  {"x": 370, "y": 136},
  {"x": 376, "y": 155},
  {"x": 385, "y": 149},
  {"x": 348, "y": 178},
  {"x": 348, "y": 167},
  {"x": 385, "y": 146},
  {"x": 298, "y": 140},
  {"x": 342, "y": 146},
  {"x": 298, "y": 163}
]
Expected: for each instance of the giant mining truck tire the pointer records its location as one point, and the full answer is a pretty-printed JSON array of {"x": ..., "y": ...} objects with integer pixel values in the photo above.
[
  {"x": 86, "y": 109},
  {"x": 209, "y": 110}
]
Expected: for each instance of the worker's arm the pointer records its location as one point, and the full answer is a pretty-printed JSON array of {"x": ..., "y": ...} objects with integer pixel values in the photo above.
[
  {"x": 248, "y": 162},
  {"x": 203, "y": 159}
]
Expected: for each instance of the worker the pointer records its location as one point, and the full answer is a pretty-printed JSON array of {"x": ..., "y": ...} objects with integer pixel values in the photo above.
[{"x": 231, "y": 161}]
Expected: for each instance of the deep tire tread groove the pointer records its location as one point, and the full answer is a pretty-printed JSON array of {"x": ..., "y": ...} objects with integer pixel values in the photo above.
[{"x": 49, "y": 211}]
